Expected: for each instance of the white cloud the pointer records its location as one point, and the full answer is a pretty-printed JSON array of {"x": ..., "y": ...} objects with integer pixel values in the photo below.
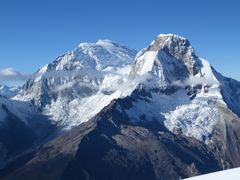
[{"x": 10, "y": 74}]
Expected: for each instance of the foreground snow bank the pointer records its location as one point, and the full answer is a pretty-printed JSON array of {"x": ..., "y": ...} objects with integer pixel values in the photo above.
[{"x": 232, "y": 174}]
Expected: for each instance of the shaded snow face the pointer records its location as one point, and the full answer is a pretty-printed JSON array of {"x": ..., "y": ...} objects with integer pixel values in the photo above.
[{"x": 22, "y": 110}]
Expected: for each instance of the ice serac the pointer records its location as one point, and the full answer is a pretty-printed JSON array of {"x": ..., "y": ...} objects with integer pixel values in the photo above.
[{"x": 66, "y": 88}]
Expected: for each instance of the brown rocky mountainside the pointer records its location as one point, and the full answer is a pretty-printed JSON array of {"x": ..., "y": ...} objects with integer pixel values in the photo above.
[{"x": 109, "y": 146}]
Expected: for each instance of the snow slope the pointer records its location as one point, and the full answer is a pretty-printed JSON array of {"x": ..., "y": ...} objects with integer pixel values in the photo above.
[{"x": 231, "y": 174}]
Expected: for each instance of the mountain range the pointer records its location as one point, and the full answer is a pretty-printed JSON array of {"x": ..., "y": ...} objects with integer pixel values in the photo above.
[
  {"x": 9, "y": 91},
  {"x": 105, "y": 111}
]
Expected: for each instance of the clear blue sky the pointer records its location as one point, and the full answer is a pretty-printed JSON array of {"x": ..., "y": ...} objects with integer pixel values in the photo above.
[{"x": 34, "y": 32}]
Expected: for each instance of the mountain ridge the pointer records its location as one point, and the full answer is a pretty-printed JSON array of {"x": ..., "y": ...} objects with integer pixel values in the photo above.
[{"x": 164, "y": 113}]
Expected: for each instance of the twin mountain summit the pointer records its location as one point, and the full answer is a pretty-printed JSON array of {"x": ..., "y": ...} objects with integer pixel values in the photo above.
[{"x": 105, "y": 112}]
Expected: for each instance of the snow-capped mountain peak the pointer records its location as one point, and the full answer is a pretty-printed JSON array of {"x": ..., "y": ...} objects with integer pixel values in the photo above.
[
  {"x": 182, "y": 88},
  {"x": 169, "y": 57},
  {"x": 98, "y": 56},
  {"x": 69, "y": 85}
]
